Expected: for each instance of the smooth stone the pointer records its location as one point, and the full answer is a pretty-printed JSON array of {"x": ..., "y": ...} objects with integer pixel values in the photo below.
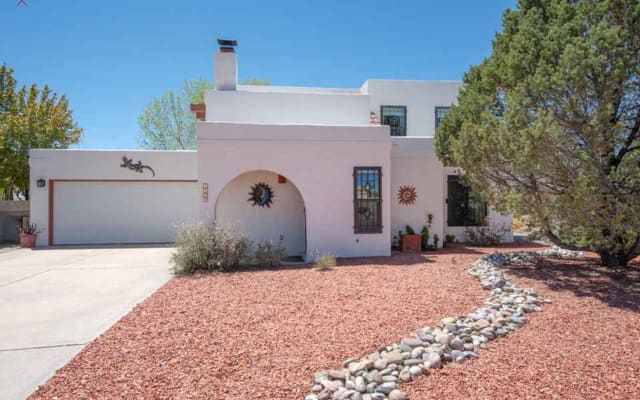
[
  {"x": 457, "y": 356},
  {"x": 415, "y": 371},
  {"x": 356, "y": 396},
  {"x": 444, "y": 338},
  {"x": 316, "y": 388},
  {"x": 417, "y": 352},
  {"x": 412, "y": 342},
  {"x": 360, "y": 385},
  {"x": 389, "y": 378},
  {"x": 347, "y": 362},
  {"x": 482, "y": 323},
  {"x": 311, "y": 397},
  {"x": 397, "y": 395},
  {"x": 371, "y": 387},
  {"x": 393, "y": 357},
  {"x": 374, "y": 356},
  {"x": 488, "y": 333},
  {"x": 457, "y": 344},
  {"x": 405, "y": 348},
  {"x": 448, "y": 320},
  {"x": 355, "y": 367},
  {"x": 405, "y": 375},
  {"x": 378, "y": 396},
  {"x": 380, "y": 364},
  {"x": 387, "y": 387},
  {"x": 451, "y": 328},
  {"x": 373, "y": 376},
  {"x": 411, "y": 361},
  {"x": 335, "y": 374},
  {"x": 434, "y": 360}
]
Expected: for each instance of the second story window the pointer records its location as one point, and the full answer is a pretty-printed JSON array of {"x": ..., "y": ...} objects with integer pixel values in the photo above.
[
  {"x": 396, "y": 118},
  {"x": 441, "y": 112}
]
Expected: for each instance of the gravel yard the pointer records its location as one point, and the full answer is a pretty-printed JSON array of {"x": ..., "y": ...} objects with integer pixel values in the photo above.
[{"x": 263, "y": 334}]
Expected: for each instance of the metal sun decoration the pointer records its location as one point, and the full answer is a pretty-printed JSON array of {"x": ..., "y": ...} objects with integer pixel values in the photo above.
[
  {"x": 407, "y": 195},
  {"x": 261, "y": 195}
]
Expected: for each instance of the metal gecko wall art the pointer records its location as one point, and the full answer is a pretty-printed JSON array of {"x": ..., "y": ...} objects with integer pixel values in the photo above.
[{"x": 135, "y": 166}]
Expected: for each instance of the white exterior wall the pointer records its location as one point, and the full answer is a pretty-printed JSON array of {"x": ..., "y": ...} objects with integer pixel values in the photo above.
[
  {"x": 283, "y": 221},
  {"x": 318, "y": 160},
  {"x": 287, "y": 107},
  {"x": 100, "y": 165},
  {"x": 420, "y": 97},
  {"x": 414, "y": 163}
]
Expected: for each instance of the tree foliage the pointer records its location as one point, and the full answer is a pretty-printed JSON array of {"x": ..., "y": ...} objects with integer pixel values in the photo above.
[
  {"x": 167, "y": 123},
  {"x": 547, "y": 126},
  {"x": 29, "y": 118}
]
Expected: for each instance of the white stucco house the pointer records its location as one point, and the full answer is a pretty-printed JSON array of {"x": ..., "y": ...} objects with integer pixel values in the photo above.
[{"x": 321, "y": 169}]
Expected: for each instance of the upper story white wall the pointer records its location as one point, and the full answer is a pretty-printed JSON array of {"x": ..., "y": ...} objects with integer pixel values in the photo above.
[
  {"x": 420, "y": 97},
  {"x": 287, "y": 107}
]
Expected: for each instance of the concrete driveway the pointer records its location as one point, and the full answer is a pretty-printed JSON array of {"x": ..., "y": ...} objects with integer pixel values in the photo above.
[{"x": 55, "y": 301}]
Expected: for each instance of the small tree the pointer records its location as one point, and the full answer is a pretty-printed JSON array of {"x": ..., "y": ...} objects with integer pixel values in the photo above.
[
  {"x": 29, "y": 118},
  {"x": 547, "y": 126},
  {"x": 167, "y": 123}
]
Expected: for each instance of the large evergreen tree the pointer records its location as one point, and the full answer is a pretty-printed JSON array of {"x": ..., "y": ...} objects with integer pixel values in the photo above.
[
  {"x": 29, "y": 118},
  {"x": 548, "y": 126}
]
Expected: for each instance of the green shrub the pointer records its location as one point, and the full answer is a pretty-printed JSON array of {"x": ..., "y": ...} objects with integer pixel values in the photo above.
[
  {"x": 409, "y": 230},
  {"x": 448, "y": 239},
  {"x": 268, "y": 255},
  {"x": 436, "y": 240},
  {"x": 325, "y": 261},
  {"x": 209, "y": 247},
  {"x": 425, "y": 237}
]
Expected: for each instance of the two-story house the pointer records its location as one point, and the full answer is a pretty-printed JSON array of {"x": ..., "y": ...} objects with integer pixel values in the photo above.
[{"x": 319, "y": 169}]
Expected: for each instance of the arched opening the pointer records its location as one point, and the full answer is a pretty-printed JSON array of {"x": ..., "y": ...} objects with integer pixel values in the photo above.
[{"x": 265, "y": 206}]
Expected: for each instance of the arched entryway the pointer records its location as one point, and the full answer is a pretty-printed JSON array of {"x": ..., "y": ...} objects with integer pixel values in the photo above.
[{"x": 265, "y": 206}]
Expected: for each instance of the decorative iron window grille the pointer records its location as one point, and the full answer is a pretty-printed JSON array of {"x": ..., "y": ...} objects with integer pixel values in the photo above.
[
  {"x": 367, "y": 209},
  {"x": 396, "y": 118},
  {"x": 441, "y": 112},
  {"x": 464, "y": 208}
]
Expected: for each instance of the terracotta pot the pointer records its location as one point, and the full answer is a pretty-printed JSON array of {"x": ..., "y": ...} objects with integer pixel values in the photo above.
[
  {"x": 411, "y": 243},
  {"x": 27, "y": 240}
]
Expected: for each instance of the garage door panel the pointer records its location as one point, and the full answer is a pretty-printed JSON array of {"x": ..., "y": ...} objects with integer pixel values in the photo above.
[{"x": 121, "y": 212}]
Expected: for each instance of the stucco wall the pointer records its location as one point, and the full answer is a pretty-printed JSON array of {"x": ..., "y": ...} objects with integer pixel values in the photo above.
[
  {"x": 284, "y": 219},
  {"x": 100, "y": 165},
  {"x": 276, "y": 107},
  {"x": 420, "y": 98},
  {"x": 319, "y": 160},
  {"x": 413, "y": 163}
]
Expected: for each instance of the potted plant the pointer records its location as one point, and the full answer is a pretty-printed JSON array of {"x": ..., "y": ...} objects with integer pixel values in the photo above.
[
  {"x": 411, "y": 241},
  {"x": 28, "y": 235}
]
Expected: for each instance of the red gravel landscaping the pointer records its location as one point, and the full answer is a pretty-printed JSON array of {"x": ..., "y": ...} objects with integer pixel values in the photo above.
[{"x": 262, "y": 334}]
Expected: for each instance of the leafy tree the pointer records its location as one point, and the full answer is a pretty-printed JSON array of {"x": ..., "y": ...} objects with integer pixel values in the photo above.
[
  {"x": 547, "y": 126},
  {"x": 167, "y": 123},
  {"x": 29, "y": 118}
]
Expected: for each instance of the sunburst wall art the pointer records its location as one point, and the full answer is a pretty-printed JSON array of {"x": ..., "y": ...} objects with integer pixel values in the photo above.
[
  {"x": 407, "y": 195},
  {"x": 261, "y": 195}
]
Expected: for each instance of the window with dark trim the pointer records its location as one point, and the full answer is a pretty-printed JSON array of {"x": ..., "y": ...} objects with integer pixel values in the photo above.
[
  {"x": 441, "y": 112},
  {"x": 464, "y": 208},
  {"x": 367, "y": 209},
  {"x": 396, "y": 118}
]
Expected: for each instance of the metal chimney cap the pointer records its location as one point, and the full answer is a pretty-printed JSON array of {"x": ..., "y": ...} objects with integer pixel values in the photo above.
[{"x": 227, "y": 42}]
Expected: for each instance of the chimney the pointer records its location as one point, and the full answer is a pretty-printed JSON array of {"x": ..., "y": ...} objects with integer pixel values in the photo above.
[{"x": 226, "y": 65}]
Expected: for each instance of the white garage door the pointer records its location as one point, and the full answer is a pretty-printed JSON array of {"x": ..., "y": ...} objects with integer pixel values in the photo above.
[{"x": 121, "y": 212}]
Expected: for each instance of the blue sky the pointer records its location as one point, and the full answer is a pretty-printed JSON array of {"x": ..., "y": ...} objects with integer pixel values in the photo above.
[{"x": 112, "y": 57}]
